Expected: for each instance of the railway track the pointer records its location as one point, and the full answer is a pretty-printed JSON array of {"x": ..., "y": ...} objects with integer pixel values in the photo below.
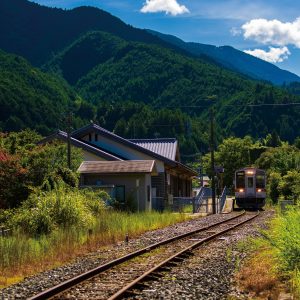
[{"x": 123, "y": 276}]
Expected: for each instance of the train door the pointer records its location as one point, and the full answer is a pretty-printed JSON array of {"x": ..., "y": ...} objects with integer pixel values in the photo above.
[{"x": 250, "y": 184}]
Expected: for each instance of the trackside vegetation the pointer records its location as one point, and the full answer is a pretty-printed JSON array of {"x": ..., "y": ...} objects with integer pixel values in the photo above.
[
  {"x": 275, "y": 258},
  {"x": 53, "y": 227},
  {"x": 51, "y": 220}
]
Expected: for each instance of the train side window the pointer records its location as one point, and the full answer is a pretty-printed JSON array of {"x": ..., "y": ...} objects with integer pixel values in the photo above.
[
  {"x": 240, "y": 180},
  {"x": 250, "y": 182}
]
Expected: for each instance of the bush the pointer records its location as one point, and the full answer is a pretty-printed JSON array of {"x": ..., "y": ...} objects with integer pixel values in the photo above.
[
  {"x": 273, "y": 183},
  {"x": 285, "y": 239},
  {"x": 290, "y": 185},
  {"x": 13, "y": 178},
  {"x": 59, "y": 208}
]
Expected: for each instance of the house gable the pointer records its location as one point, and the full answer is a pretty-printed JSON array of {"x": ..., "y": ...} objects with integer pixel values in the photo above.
[{"x": 110, "y": 142}]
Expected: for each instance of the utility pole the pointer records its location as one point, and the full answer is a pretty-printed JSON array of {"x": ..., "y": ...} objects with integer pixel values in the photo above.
[
  {"x": 201, "y": 170},
  {"x": 212, "y": 155},
  {"x": 69, "y": 126}
]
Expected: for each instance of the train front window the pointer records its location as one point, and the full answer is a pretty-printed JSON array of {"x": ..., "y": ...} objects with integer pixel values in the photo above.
[
  {"x": 240, "y": 180},
  {"x": 250, "y": 182},
  {"x": 260, "y": 181}
]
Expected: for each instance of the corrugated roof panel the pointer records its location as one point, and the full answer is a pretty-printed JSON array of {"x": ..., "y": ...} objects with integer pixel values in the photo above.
[{"x": 164, "y": 147}]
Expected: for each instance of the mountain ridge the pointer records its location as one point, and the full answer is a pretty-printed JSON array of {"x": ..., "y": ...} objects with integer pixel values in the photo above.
[{"x": 235, "y": 60}]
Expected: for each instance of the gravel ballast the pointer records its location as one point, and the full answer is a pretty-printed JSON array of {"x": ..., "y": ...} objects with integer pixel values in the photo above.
[{"x": 207, "y": 275}]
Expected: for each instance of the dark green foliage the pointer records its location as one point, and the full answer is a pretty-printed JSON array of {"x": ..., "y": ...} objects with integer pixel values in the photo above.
[
  {"x": 13, "y": 179},
  {"x": 273, "y": 192},
  {"x": 36, "y": 32},
  {"x": 81, "y": 56},
  {"x": 293, "y": 88},
  {"x": 137, "y": 120},
  {"x": 280, "y": 159},
  {"x": 30, "y": 98},
  {"x": 26, "y": 167},
  {"x": 114, "y": 66},
  {"x": 160, "y": 77}
]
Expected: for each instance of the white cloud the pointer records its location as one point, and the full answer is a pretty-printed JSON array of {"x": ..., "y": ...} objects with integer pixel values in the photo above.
[
  {"x": 168, "y": 6},
  {"x": 235, "y": 31},
  {"x": 274, "y": 55},
  {"x": 273, "y": 32}
]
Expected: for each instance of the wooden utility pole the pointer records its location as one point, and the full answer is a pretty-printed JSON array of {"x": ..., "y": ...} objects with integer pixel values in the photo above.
[
  {"x": 212, "y": 155},
  {"x": 69, "y": 126}
]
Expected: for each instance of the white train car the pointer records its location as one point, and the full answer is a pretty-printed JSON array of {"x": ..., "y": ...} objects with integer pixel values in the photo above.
[{"x": 250, "y": 188}]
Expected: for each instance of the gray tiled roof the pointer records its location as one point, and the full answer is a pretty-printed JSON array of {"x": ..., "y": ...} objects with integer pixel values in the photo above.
[
  {"x": 165, "y": 147},
  {"x": 114, "y": 167}
]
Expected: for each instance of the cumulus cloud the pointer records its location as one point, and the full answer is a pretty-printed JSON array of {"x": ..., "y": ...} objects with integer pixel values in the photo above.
[
  {"x": 274, "y": 55},
  {"x": 273, "y": 32},
  {"x": 168, "y": 6}
]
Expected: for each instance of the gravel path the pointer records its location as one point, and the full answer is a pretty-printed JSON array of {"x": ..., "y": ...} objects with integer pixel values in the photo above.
[{"x": 34, "y": 284}]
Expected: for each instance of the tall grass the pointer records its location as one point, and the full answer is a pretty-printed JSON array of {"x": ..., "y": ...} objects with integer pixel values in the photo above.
[
  {"x": 23, "y": 255},
  {"x": 284, "y": 238},
  {"x": 280, "y": 249}
]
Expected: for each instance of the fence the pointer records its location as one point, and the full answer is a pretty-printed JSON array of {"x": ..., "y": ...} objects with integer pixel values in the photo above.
[
  {"x": 4, "y": 231},
  {"x": 158, "y": 203},
  {"x": 202, "y": 203}
]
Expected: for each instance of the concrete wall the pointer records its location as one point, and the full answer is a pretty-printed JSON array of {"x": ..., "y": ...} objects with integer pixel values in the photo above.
[
  {"x": 135, "y": 186},
  {"x": 87, "y": 156}
]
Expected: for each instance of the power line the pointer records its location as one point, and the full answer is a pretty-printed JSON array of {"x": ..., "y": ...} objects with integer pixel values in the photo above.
[{"x": 235, "y": 105}]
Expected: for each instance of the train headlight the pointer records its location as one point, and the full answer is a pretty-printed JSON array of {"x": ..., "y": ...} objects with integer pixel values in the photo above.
[
  {"x": 259, "y": 190},
  {"x": 241, "y": 190}
]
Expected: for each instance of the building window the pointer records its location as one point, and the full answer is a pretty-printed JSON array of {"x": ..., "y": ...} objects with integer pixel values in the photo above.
[{"x": 120, "y": 193}]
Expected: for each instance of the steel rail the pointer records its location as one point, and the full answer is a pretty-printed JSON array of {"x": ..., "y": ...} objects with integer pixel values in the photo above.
[
  {"x": 62, "y": 287},
  {"x": 169, "y": 260}
]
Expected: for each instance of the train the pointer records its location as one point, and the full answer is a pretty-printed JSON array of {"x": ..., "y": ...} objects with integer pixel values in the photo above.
[{"x": 250, "y": 188}]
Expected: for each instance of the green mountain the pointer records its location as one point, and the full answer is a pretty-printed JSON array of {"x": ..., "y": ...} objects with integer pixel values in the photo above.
[
  {"x": 119, "y": 71},
  {"x": 37, "y": 32},
  {"x": 234, "y": 59},
  {"x": 29, "y": 97},
  {"x": 128, "y": 80}
]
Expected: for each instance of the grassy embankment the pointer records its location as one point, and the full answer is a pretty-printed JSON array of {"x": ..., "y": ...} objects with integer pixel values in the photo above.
[
  {"x": 274, "y": 263},
  {"x": 54, "y": 228}
]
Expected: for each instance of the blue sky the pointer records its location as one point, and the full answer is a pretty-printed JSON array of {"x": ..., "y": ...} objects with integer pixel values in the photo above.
[{"x": 269, "y": 29}]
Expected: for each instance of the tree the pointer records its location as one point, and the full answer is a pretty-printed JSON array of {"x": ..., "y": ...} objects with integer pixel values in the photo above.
[
  {"x": 290, "y": 185},
  {"x": 274, "y": 180},
  {"x": 13, "y": 179},
  {"x": 232, "y": 154},
  {"x": 280, "y": 159}
]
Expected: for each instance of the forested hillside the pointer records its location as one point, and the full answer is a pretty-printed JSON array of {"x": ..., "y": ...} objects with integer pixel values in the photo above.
[
  {"x": 127, "y": 80},
  {"x": 235, "y": 60},
  {"x": 30, "y": 98},
  {"x": 37, "y": 32},
  {"x": 119, "y": 71}
]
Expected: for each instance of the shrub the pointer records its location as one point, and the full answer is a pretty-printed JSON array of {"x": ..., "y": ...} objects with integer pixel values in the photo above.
[
  {"x": 273, "y": 182},
  {"x": 285, "y": 239},
  {"x": 59, "y": 208},
  {"x": 13, "y": 179},
  {"x": 290, "y": 185}
]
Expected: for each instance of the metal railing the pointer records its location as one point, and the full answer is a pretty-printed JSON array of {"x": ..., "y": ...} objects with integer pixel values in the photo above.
[
  {"x": 222, "y": 200},
  {"x": 201, "y": 198},
  {"x": 182, "y": 204},
  {"x": 4, "y": 231}
]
